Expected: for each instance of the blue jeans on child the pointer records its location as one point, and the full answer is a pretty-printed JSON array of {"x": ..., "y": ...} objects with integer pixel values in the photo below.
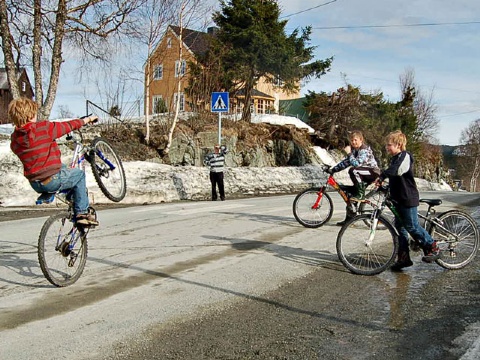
[
  {"x": 65, "y": 179},
  {"x": 409, "y": 225}
]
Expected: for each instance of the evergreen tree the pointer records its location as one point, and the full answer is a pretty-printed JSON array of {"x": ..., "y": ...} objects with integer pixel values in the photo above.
[{"x": 254, "y": 44}]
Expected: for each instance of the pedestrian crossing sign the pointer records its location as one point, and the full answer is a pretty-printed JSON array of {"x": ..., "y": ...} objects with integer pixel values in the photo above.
[{"x": 220, "y": 102}]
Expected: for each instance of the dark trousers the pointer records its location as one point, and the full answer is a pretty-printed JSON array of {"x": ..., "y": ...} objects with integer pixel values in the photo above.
[
  {"x": 362, "y": 174},
  {"x": 216, "y": 178}
]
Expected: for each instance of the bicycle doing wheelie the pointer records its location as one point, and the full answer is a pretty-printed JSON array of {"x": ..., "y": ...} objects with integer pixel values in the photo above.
[
  {"x": 62, "y": 244},
  {"x": 313, "y": 207},
  {"x": 368, "y": 243}
]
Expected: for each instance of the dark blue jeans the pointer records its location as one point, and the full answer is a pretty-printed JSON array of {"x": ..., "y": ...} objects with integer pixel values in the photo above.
[
  {"x": 65, "y": 179},
  {"x": 409, "y": 225}
]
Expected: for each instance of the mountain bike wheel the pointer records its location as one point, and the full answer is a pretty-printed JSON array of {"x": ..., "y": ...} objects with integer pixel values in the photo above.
[
  {"x": 108, "y": 170},
  {"x": 457, "y": 237},
  {"x": 367, "y": 252},
  {"x": 62, "y": 250},
  {"x": 309, "y": 210}
]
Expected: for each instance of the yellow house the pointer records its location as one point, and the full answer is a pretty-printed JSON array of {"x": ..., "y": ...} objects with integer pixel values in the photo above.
[{"x": 166, "y": 77}]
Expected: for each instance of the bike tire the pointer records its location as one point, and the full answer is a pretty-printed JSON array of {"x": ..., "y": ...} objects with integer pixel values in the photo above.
[
  {"x": 304, "y": 212},
  {"x": 456, "y": 254},
  {"x": 107, "y": 169},
  {"x": 362, "y": 255},
  {"x": 58, "y": 263}
]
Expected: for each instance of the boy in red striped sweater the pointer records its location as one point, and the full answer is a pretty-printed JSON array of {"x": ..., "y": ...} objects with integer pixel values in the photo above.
[{"x": 34, "y": 143}]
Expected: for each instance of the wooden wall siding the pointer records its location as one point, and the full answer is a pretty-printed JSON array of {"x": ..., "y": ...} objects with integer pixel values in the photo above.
[
  {"x": 6, "y": 96},
  {"x": 167, "y": 86}
]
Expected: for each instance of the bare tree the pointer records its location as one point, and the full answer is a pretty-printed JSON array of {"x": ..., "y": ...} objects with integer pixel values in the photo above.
[
  {"x": 64, "y": 112},
  {"x": 470, "y": 138},
  {"x": 35, "y": 34},
  {"x": 152, "y": 22},
  {"x": 424, "y": 107}
]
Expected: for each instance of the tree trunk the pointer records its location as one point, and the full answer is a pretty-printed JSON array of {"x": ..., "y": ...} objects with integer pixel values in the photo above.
[
  {"x": 248, "y": 89},
  {"x": 10, "y": 66},
  {"x": 147, "y": 97},
  {"x": 180, "y": 75},
  {"x": 57, "y": 58}
]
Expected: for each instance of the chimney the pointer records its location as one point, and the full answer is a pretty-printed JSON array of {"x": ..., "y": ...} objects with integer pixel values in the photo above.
[{"x": 212, "y": 30}]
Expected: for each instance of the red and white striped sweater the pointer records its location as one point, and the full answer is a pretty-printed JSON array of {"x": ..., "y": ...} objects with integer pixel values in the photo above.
[{"x": 35, "y": 145}]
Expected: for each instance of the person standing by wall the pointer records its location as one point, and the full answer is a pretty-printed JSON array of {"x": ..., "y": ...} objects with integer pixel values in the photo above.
[{"x": 216, "y": 161}]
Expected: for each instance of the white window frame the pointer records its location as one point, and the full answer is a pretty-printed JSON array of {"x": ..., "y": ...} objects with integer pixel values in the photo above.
[
  {"x": 180, "y": 70},
  {"x": 158, "y": 72},
  {"x": 182, "y": 101},
  {"x": 169, "y": 43},
  {"x": 155, "y": 99},
  {"x": 278, "y": 82}
]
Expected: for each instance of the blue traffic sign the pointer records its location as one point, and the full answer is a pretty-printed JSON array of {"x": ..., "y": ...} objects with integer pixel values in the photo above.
[{"x": 220, "y": 102}]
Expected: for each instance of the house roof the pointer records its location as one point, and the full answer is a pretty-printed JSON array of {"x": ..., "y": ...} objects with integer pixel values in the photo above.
[
  {"x": 255, "y": 93},
  {"x": 197, "y": 41},
  {"x": 3, "y": 78}
]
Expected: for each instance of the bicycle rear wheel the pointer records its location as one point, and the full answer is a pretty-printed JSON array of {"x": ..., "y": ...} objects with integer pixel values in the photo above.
[
  {"x": 367, "y": 251},
  {"x": 313, "y": 207},
  {"x": 62, "y": 250},
  {"x": 458, "y": 238},
  {"x": 108, "y": 170}
]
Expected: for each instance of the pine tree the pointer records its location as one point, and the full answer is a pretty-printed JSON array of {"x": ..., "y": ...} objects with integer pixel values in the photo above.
[{"x": 254, "y": 44}]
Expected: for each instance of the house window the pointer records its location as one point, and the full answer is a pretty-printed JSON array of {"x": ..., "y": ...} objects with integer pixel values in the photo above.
[
  {"x": 159, "y": 105},
  {"x": 158, "y": 72},
  {"x": 180, "y": 68},
  {"x": 261, "y": 106},
  {"x": 24, "y": 86},
  {"x": 278, "y": 82},
  {"x": 182, "y": 101},
  {"x": 169, "y": 43}
]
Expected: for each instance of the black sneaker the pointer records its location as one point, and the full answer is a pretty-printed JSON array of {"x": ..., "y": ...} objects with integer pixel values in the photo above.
[
  {"x": 400, "y": 264},
  {"x": 431, "y": 252}
]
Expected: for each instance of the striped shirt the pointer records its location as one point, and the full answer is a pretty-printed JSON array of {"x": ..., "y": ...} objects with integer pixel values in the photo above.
[
  {"x": 216, "y": 162},
  {"x": 35, "y": 145}
]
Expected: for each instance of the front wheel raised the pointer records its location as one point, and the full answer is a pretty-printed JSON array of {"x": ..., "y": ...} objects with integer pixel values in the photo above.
[
  {"x": 365, "y": 250},
  {"x": 108, "y": 170},
  {"x": 313, "y": 207}
]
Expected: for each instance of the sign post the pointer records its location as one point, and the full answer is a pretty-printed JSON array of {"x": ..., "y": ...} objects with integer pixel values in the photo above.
[{"x": 220, "y": 103}]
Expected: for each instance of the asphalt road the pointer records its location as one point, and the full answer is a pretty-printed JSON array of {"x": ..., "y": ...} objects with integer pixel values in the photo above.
[{"x": 237, "y": 279}]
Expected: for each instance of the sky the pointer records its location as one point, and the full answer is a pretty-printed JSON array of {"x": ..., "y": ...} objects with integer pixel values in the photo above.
[{"x": 373, "y": 43}]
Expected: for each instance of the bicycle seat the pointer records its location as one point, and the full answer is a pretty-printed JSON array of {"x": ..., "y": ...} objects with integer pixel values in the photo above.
[
  {"x": 431, "y": 202},
  {"x": 45, "y": 198}
]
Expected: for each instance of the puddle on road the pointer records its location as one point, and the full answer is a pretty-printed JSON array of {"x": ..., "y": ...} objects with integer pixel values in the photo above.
[{"x": 403, "y": 286}]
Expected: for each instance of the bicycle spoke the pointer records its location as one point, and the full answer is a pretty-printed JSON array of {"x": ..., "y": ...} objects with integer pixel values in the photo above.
[
  {"x": 62, "y": 250},
  {"x": 364, "y": 252},
  {"x": 457, "y": 236}
]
